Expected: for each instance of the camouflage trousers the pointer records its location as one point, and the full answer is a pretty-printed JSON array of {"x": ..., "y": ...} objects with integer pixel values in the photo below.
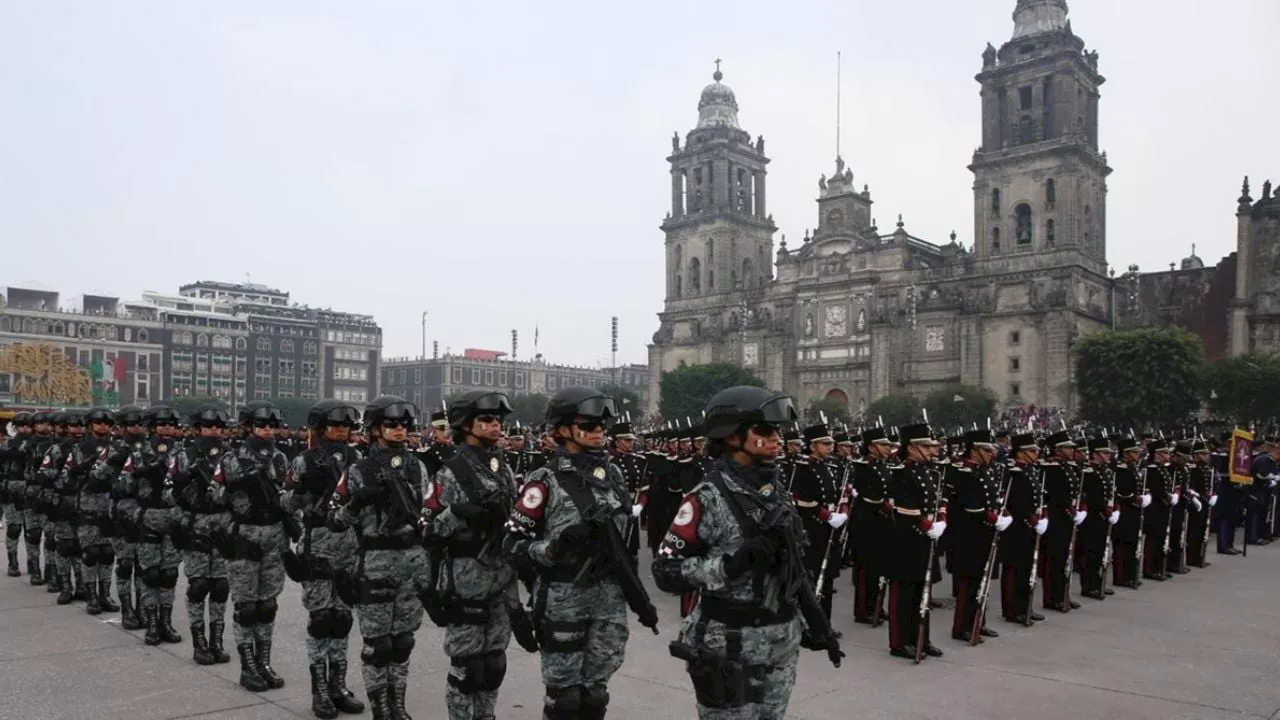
[
  {"x": 202, "y": 563},
  {"x": 583, "y": 633},
  {"x": 12, "y": 528},
  {"x": 67, "y": 560},
  {"x": 478, "y": 654},
  {"x": 158, "y": 559},
  {"x": 390, "y": 612},
  {"x": 126, "y": 550},
  {"x": 33, "y": 529},
  {"x": 257, "y": 576},
  {"x": 97, "y": 554},
  {"x": 330, "y": 618},
  {"x": 766, "y": 658}
]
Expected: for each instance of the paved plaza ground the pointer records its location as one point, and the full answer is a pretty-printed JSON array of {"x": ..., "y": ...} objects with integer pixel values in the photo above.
[{"x": 1204, "y": 646}]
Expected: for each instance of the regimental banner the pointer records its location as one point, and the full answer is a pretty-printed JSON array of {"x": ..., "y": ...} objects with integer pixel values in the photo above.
[{"x": 1241, "y": 465}]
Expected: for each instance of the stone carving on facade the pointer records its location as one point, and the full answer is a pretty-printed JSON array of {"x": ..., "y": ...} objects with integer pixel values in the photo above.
[{"x": 808, "y": 324}]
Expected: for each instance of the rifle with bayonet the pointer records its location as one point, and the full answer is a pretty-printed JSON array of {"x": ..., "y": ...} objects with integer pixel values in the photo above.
[{"x": 612, "y": 554}]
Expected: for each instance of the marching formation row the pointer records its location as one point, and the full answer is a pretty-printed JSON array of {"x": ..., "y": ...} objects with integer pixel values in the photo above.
[{"x": 749, "y": 526}]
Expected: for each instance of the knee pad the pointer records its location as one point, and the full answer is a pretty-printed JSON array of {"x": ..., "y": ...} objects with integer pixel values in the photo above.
[
  {"x": 197, "y": 590},
  {"x": 124, "y": 570},
  {"x": 106, "y": 556},
  {"x": 377, "y": 651},
  {"x": 89, "y": 558},
  {"x": 169, "y": 578},
  {"x": 467, "y": 673},
  {"x": 595, "y": 698},
  {"x": 320, "y": 623},
  {"x": 342, "y": 622},
  {"x": 32, "y": 535},
  {"x": 401, "y": 647},
  {"x": 267, "y": 611},
  {"x": 219, "y": 590},
  {"x": 246, "y": 614},
  {"x": 13, "y": 532},
  {"x": 151, "y": 577},
  {"x": 495, "y": 669},
  {"x": 562, "y": 703},
  {"x": 68, "y": 548}
]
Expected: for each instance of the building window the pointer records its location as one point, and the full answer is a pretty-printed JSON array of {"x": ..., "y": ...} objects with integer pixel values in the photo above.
[
  {"x": 475, "y": 376},
  {"x": 221, "y": 342},
  {"x": 1015, "y": 337},
  {"x": 242, "y": 344},
  {"x": 1024, "y": 98},
  {"x": 286, "y": 346},
  {"x": 995, "y": 239},
  {"x": 1015, "y": 390},
  {"x": 417, "y": 376},
  {"x": 202, "y": 340},
  {"x": 309, "y": 368},
  {"x": 1049, "y": 235},
  {"x": 551, "y": 382},
  {"x": 308, "y": 348},
  {"x": 519, "y": 379},
  {"x": 1022, "y": 215},
  {"x": 142, "y": 335},
  {"x": 264, "y": 344},
  {"x": 1015, "y": 364},
  {"x": 502, "y": 378},
  {"x": 1026, "y": 130},
  {"x": 488, "y": 378},
  {"x": 142, "y": 362},
  {"x": 457, "y": 375},
  {"x": 995, "y": 201},
  {"x": 1050, "y": 192}
]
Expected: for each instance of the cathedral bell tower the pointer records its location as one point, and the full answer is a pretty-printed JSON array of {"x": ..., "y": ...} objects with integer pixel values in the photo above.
[
  {"x": 1040, "y": 182},
  {"x": 719, "y": 236}
]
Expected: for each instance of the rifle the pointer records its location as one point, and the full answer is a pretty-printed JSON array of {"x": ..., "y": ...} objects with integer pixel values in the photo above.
[
  {"x": 926, "y": 594},
  {"x": 268, "y": 498},
  {"x": 1208, "y": 518},
  {"x": 795, "y": 587},
  {"x": 1140, "y": 550},
  {"x": 1164, "y": 554},
  {"x": 613, "y": 556},
  {"x": 1035, "y": 551},
  {"x": 1071, "y": 548},
  {"x": 826, "y": 556},
  {"x": 984, "y": 588},
  {"x": 633, "y": 522}
]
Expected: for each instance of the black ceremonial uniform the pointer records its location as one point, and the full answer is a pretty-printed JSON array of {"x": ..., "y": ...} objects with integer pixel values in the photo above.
[
  {"x": 817, "y": 498},
  {"x": 975, "y": 501},
  {"x": 1098, "y": 499},
  {"x": 1019, "y": 547},
  {"x": 1178, "y": 525},
  {"x": 1130, "y": 482},
  {"x": 1201, "y": 484},
  {"x": 1062, "y": 497},
  {"x": 918, "y": 505},
  {"x": 871, "y": 525},
  {"x": 1157, "y": 518}
]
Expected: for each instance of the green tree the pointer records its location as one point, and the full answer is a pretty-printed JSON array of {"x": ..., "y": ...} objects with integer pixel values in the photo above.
[
  {"x": 1244, "y": 389},
  {"x": 836, "y": 411},
  {"x": 626, "y": 400},
  {"x": 960, "y": 406},
  {"x": 294, "y": 410},
  {"x": 894, "y": 410},
  {"x": 1139, "y": 377},
  {"x": 529, "y": 409},
  {"x": 686, "y": 390}
]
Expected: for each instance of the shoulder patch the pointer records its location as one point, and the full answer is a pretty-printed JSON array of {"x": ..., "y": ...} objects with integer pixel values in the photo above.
[
  {"x": 533, "y": 496},
  {"x": 681, "y": 539},
  {"x": 431, "y": 498}
]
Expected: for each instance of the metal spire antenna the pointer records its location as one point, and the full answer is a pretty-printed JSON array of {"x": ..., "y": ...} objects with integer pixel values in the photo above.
[{"x": 837, "y": 104}]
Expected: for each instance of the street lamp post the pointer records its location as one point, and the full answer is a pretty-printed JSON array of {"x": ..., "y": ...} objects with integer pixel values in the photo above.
[{"x": 424, "y": 335}]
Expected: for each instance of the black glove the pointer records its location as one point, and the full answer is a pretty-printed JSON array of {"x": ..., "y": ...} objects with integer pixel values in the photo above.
[
  {"x": 759, "y": 553},
  {"x": 571, "y": 538},
  {"x": 834, "y": 653},
  {"x": 119, "y": 458},
  {"x": 468, "y": 511}
]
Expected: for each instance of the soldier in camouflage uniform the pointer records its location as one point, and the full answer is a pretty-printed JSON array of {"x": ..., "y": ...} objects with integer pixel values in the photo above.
[
  {"x": 124, "y": 501},
  {"x": 34, "y": 510},
  {"x": 323, "y": 552},
  {"x": 197, "y": 520},
  {"x": 13, "y": 485},
  {"x": 582, "y": 618},
  {"x": 741, "y": 641},
  {"x": 468, "y": 504},
  {"x": 61, "y": 470},
  {"x": 248, "y": 482},
  {"x": 96, "y": 529},
  {"x": 381, "y": 497},
  {"x": 145, "y": 478}
]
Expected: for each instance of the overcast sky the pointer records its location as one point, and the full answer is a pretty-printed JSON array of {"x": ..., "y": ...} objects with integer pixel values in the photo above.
[{"x": 501, "y": 164}]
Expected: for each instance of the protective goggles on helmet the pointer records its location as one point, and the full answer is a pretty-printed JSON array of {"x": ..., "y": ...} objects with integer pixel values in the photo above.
[
  {"x": 405, "y": 412},
  {"x": 492, "y": 404},
  {"x": 597, "y": 407},
  {"x": 341, "y": 416},
  {"x": 778, "y": 411},
  {"x": 211, "y": 416},
  {"x": 266, "y": 416},
  {"x": 105, "y": 417}
]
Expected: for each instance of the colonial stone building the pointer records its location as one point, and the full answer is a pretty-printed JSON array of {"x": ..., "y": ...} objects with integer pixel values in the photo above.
[{"x": 854, "y": 312}]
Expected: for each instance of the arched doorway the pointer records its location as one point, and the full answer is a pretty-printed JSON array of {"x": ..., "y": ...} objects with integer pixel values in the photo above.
[{"x": 838, "y": 395}]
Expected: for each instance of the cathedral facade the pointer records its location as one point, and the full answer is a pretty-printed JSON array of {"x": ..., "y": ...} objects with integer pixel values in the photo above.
[{"x": 856, "y": 312}]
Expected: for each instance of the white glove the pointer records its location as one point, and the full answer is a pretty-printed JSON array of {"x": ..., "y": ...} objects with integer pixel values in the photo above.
[
  {"x": 636, "y": 510},
  {"x": 837, "y": 520},
  {"x": 936, "y": 530},
  {"x": 1174, "y": 500},
  {"x": 1195, "y": 502},
  {"x": 1213, "y": 500},
  {"x": 1041, "y": 525},
  {"x": 1273, "y": 480},
  {"x": 1003, "y": 522},
  {"x": 1114, "y": 517},
  {"x": 1080, "y": 516},
  {"x": 854, "y": 491},
  {"x": 1146, "y": 499}
]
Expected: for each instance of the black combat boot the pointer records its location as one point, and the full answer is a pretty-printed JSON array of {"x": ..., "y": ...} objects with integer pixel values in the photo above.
[
  {"x": 263, "y": 655},
  {"x": 153, "y": 626},
  {"x": 13, "y": 564},
  {"x": 65, "y": 592},
  {"x": 168, "y": 632},
  {"x": 129, "y": 619},
  {"x": 321, "y": 705},
  {"x": 395, "y": 698},
  {"x": 220, "y": 656},
  {"x": 199, "y": 647},
  {"x": 342, "y": 698},
  {"x": 81, "y": 593},
  {"x": 92, "y": 606},
  {"x": 380, "y": 704},
  {"x": 34, "y": 575},
  {"x": 55, "y": 582},
  {"x": 250, "y": 679},
  {"x": 104, "y": 597}
]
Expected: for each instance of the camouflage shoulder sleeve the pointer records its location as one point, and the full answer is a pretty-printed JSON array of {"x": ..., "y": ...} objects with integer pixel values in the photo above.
[
  {"x": 691, "y": 556},
  {"x": 442, "y": 493},
  {"x": 526, "y": 526}
]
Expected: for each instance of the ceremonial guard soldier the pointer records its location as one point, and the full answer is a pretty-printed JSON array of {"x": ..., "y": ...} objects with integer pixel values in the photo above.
[
  {"x": 734, "y": 541},
  {"x": 326, "y": 552},
  {"x": 920, "y": 519},
  {"x": 568, "y": 523},
  {"x": 1098, "y": 500},
  {"x": 1019, "y": 547},
  {"x": 975, "y": 496},
  {"x": 441, "y": 447},
  {"x": 381, "y": 497},
  {"x": 665, "y": 491},
  {"x": 817, "y": 494},
  {"x": 1157, "y": 517},
  {"x": 1131, "y": 498},
  {"x": 1229, "y": 507},
  {"x": 1062, "y": 498},
  {"x": 474, "y": 596},
  {"x": 635, "y": 472},
  {"x": 516, "y": 454},
  {"x": 1203, "y": 487},
  {"x": 1181, "y": 465},
  {"x": 872, "y": 522}
]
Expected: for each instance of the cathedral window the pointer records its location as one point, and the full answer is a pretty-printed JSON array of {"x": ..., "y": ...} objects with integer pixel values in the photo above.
[
  {"x": 1022, "y": 215},
  {"x": 1050, "y": 191},
  {"x": 695, "y": 275},
  {"x": 995, "y": 239},
  {"x": 995, "y": 201},
  {"x": 711, "y": 279},
  {"x": 1024, "y": 98},
  {"x": 747, "y": 272},
  {"x": 1049, "y": 235},
  {"x": 1026, "y": 131}
]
